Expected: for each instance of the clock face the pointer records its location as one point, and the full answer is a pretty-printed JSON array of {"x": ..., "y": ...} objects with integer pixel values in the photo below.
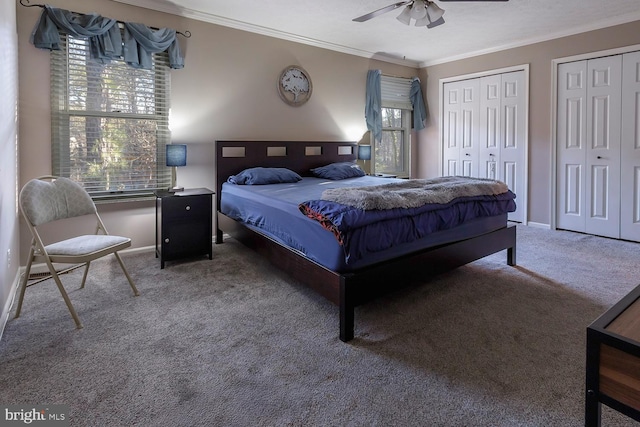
[{"x": 294, "y": 86}]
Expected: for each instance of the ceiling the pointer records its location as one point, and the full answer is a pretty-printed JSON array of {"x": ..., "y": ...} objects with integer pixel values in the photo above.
[{"x": 471, "y": 27}]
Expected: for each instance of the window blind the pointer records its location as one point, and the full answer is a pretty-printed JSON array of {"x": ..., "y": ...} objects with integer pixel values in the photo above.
[
  {"x": 110, "y": 122},
  {"x": 395, "y": 92}
]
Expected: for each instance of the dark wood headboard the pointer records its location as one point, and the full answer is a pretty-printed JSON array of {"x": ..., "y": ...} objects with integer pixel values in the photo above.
[{"x": 233, "y": 157}]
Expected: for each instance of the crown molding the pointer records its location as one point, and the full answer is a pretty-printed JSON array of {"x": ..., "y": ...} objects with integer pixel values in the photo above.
[
  {"x": 167, "y": 7},
  {"x": 543, "y": 38},
  {"x": 257, "y": 29}
]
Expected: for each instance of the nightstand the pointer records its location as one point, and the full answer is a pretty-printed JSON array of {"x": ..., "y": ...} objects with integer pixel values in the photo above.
[{"x": 183, "y": 224}]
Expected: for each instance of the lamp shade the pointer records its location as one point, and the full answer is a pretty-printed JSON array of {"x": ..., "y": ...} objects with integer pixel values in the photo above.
[
  {"x": 176, "y": 155},
  {"x": 422, "y": 22},
  {"x": 434, "y": 12},
  {"x": 418, "y": 10},
  {"x": 405, "y": 16},
  {"x": 364, "y": 152}
]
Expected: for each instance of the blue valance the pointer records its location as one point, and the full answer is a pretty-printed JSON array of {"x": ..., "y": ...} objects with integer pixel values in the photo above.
[
  {"x": 373, "y": 104},
  {"x": 419, "y": 109},
  {"x": 140, "y": 42},
  {"x": 105, "y": 41}
]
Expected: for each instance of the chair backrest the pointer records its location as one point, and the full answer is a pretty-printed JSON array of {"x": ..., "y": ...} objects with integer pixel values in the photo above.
[{"x": 42, "y": 201}]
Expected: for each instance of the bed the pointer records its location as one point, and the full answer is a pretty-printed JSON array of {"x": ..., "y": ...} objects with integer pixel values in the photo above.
[{"x": 310, "y": 253}]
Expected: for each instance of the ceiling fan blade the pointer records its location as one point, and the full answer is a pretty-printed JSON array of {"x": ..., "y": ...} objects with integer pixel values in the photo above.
[
  {"x": 436, "y": 23},
  {"x": 381, "y": 11}
]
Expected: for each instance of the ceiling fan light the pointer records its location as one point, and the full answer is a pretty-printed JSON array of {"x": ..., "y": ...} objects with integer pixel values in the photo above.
[
  {"x": 422, "y": 22},
  {"x": 418, "y": 10},
  {"x": 405, "y": 16},
  {"x": 434, "y": 12}
]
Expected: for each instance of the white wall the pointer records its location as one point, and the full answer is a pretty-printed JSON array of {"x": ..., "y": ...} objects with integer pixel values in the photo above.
[
  {"x": 9, "y": 244},
  {"x": 227, "y": 90}
]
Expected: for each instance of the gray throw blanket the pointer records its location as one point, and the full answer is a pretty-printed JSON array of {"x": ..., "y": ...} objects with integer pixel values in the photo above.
[{"x": 414, "y": 193}]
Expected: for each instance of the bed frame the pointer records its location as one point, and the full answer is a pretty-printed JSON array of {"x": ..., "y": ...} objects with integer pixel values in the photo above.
[{"x": 347, "y": 290}]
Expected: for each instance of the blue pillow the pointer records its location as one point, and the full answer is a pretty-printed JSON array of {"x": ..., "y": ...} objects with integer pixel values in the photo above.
[
  {"x": 260, "y": 176},
  {"x": 336, "y": 171}
]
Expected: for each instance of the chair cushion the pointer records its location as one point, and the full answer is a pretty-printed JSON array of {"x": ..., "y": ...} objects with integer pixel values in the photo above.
[{"x": 83, "y": 245}]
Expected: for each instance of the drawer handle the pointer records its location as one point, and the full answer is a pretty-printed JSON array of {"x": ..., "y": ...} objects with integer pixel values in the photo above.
[
  {"x": 166, "y": 240},
  {"x": 188, "y": 208}
]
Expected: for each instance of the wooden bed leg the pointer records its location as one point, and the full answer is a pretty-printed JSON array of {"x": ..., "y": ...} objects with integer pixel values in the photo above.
[
  {"x": 511, "y": 251},
  {"x": 347, "y": 308},
  {"x": 218, "y": 236}
]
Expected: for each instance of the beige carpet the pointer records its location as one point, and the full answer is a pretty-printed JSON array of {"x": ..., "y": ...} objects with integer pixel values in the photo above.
[{"x": 234, "y": 342}]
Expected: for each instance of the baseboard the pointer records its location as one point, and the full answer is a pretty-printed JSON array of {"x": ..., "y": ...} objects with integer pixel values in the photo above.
[
  {"x": 539, "y": 225},
  {"x": 138, "y": 250},
  {"x": 6, "y": 310},
  {"x": 42, "y": 268}
]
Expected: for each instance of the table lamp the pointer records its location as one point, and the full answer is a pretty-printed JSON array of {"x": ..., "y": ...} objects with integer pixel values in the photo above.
[
  {"x": 364, "y": 154},
  {"x": 176, "y": 156}
]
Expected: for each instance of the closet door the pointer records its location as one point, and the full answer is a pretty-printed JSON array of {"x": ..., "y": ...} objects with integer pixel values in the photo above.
[
  {"x": 485, "y": 132},
  {"x": 630, "y": 165},
  {"x": 589, "y": 146},
  {"x": 571, "y": 145},
  {"x": 512, "y": 135},
  {"x": 490, "y": 135},
  {"x": 604, "y": 97},
  {"x": 461, "y": 119},
  {"x": 451, "y": 117}
]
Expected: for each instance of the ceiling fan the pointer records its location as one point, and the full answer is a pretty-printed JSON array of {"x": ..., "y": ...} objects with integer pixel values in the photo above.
[{"x": 425, "y": 12}]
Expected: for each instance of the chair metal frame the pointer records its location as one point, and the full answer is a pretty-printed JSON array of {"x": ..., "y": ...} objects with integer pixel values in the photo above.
[{"x": 40, "y": 252}]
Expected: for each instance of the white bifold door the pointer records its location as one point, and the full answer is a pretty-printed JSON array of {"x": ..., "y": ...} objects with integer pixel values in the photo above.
[
  {"x": 598, "y": 146},
  {"x": 484, "y": 131}
]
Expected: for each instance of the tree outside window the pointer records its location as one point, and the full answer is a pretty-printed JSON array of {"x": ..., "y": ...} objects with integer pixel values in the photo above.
[
  {"x": 109, "y": 122},
  {"x": 392, "y": 152}
]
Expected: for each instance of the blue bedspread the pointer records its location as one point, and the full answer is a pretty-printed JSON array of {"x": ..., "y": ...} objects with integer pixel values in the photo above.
[
  {"x": 389, "y": 227},
  {"x": 275, "y": 211}
]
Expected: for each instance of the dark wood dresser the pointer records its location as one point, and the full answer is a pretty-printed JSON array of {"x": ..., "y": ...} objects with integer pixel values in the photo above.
[{"x": 613, "y": 360}]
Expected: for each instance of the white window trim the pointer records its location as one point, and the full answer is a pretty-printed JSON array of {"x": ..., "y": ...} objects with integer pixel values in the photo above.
[{"x": 406, "y": 127}]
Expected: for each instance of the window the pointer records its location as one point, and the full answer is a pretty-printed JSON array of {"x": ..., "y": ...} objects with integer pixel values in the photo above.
[
  {"x": 110, "y": 122},
  {"x": 392, "y": 154}
]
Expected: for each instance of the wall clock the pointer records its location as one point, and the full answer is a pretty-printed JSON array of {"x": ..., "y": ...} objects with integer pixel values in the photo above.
[{"x": 294, "y": 85}]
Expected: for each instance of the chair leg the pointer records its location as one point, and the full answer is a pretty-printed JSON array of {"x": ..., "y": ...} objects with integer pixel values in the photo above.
[
  {"x": 84, "y": 276},
  {"x": 72, "y": 310},
  {"x": 23, "y": 284},
  {"x": 126, "y": 273}
]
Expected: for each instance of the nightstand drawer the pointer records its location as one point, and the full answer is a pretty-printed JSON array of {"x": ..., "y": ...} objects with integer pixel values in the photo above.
[{"x": 186, "y": 207}]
